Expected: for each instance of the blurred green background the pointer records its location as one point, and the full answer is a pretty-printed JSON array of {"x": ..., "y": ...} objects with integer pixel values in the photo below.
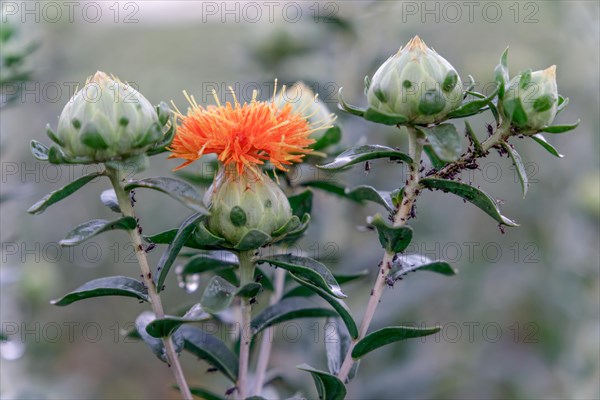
[{"x": 522, "y": 317}]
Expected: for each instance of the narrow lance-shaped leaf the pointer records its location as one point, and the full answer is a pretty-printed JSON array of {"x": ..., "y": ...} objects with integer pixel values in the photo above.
[
  {"x": 389, "y": 335},
  {"x": 444, "y": 140},
  {"x": 94, "y": 227},
  {"x": 329, "y": 387},
  {"x": 204, "y": 394},
  {"x": 560, "y": 128},
  {"x": 338, "y": 305},
  {"x": 364, "y": 153},
  {"x": 211, "y": 349},
  {"x": 309, "y": 269},
  {"x": 301, "y": 203},
  {"x": 179, "y": 190},
  {"x": 541, "y": 140},
  {"x": 156, "y": 345},
  {"x": 474, "y": 107},
  {"x": 519, "y": 167},
  {"x": 471, "y": 194},
  {"x": 402, "y": 264},
  {"x": 331, "y": 136},
  {"x": 109, "y": 199},
  {"x": 286, "y": 310},
  {"x": 168, "y": 257},
  {"x": 337, "y": 343},
  {"x": 62, "y": 193},
  {"x": 381, "y": 117},
  {"x": 392, "y": 239},
  {"x": 165, "y": 326},
  {"x": 108, "y": 286}
]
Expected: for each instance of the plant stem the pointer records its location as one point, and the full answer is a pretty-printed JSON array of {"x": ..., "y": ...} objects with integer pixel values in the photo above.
[
  {"x": 127, "y": 210},
  {"x": 267, "y": 343},
  {"x": 411, "y": 192},
  {"x": 247, "y": 266}
]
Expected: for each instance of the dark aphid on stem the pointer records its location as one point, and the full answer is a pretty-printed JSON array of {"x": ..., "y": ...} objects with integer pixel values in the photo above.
[
  {"x": 253, "y": 301},
  {"x": 490, "y": 129},
  {"x": 258, "y": 278},
  {"x": 501, "y": 228},
  {"x": 389, "y": 281},
  {"x": 211, "y": 370},
  {"x": 139, "y": 229},
  {"x": 132, "y": 198},
  {"x": 367, "y": 167},
  {"x": 150, "y": 247},
  {"x": 230, "y": 391}
]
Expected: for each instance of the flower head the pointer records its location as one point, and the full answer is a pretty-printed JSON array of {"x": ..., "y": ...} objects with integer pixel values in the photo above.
[
  {"x": 108, "y": 120},
  {"x": 245, "y": 135}
]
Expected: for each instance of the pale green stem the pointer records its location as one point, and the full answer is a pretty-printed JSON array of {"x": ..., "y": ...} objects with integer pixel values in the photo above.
[
  {"x": 127, "y": 210},
  {"x": 247, "y": 266},
  {"x": 267, "y": 342}
]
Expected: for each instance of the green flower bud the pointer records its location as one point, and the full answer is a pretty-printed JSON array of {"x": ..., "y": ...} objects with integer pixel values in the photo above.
[
  {"x": 239, "y": 203},
  {"x": 306, "y": 102},
  {"x": 417, "y": 83},
  {"x": 531, "y": 99},
  {"x": 107, "y": 120}
]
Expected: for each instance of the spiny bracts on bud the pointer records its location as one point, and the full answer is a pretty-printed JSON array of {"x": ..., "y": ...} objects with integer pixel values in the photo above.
[
  {"x": 417, "y": 83},
  {"x": 239, "y": 203},
  {"x": 108, "y": 120},
  {"x": 531, "y": 100}
]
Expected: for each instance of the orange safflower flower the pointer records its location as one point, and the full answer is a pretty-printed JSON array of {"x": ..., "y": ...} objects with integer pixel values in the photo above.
[{"x": 245, "y": 135}]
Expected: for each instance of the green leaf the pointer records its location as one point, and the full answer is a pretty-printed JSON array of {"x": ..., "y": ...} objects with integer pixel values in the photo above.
[
  {"x": 330, "y": 187},
  {"x": 179, "y": 190},
  {"x": 304, "y": 291},
  {"x": 337, "y": 343},
  {"x": 329, "y": 387},
  {"x": 436, "y": 162},
  {"x": 286, "y": 310},
  {"x": 156, "y": 345},
  {"x": 165, "y": 326},
  {"x": 338, "y": 305},
  {"x": 392, "y": 239},
  {"x": 541, "y": 140},
  {"x": 384, "y": 118},
  {"x": 560, "y": 128},
  {"x": 501, "y": 74},
  {"x": 39, "y": 150},
  {"x": 405, "y": 263},
  {"x": 109, "y": 199},
  {"x": 292, "y": 236},
  {"x": 108, "y": 286},
  {"x": 252, "y": 240},
  {"x": 471, "y": 194},
  {"x": 308, "y": 269},
  {"x": 364, "y": 193},
  {"x": 292, "y": 225},
  {"x": 349, "y": 108},
  {"x": 389, "y": 335},
  {"x": 203, "y": 238},
  {"x": 184, "y": 232},
  {"x": 520, "y": 168},
  {"x": 444, "y": 140},
  {"x": 205, "y": 394},
  {"x": 249, "y": 290},
  {"x": 217, "y": 295},
  {"x": 473, "y": 107},
  {"x": 161, "y": 146},
  {"x": 364, "y": 153},
  {"x": 50, "y": 133},
  {"x": 473, "y": 138},
  {"x": 94, "y": 227},
  {"x": 331, "y": 136},
  {"x": 205, "y": 262},
  {"x": 301, "y": 203},
  {"x": 514, "y": 109},
  {"x": 562, "y": 103},
  {"x": 65, "y": 191}
]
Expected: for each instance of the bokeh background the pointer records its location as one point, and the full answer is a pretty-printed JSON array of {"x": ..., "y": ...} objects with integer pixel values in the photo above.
[{"x": 522, "y": 317}]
